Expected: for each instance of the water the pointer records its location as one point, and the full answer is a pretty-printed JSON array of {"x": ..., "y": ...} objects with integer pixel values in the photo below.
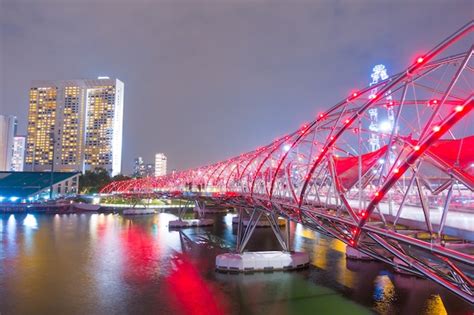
[{"x": 108, "y": 264}]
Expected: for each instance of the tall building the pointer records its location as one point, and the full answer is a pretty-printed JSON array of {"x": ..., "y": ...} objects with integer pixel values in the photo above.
[
  {"x": 78, "y": 123},
  {"x": 160, "y": 164},
  {"x": 138, "y": 167},
  {"x": 18, "y": 155},
  {"x": 8, "y": 126}
]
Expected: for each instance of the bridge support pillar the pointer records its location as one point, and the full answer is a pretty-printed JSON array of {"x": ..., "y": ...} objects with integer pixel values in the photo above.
[
  {"x": 185, "y": 223},
  {"x": 242, "y": 261}
]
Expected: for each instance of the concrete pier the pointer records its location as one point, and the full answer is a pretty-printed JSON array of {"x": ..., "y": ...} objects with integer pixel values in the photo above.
[
  {"x": 177, "y": 224},
  {"x": 261, "y": 261}
]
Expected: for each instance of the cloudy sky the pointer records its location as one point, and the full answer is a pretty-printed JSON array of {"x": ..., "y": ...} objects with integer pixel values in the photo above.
[{"x": 205, "y": 80}]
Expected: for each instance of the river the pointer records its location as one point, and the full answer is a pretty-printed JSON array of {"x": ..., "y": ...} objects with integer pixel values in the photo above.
[{"x": 110, "y": 264}]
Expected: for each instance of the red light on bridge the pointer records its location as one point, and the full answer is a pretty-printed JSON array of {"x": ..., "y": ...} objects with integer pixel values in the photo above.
[
  {"x": 347, "y": 121},
  {"x": 436, "y": 128},
  {"x": 396, "y": 171},
  {"x": 416, "y": 148},
  {"x": 355, "y": 94},
  {"x": 459, "y": 108},
  {"x": 420, "y": 60}
]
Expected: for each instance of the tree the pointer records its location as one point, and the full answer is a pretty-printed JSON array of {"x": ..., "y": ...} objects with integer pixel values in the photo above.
[{"x": 93, "y": 181}]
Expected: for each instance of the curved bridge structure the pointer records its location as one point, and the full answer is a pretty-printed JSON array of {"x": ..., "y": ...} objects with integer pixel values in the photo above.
[{"x": 406, "y": 200}]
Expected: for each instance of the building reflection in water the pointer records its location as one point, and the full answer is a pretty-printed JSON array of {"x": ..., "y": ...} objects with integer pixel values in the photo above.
[
  {"x": 326, "y": 253},
  {"x": 435, "y": 305},
  {"x": 384, "y": 293},
  {"x": 30, "y": 221}
]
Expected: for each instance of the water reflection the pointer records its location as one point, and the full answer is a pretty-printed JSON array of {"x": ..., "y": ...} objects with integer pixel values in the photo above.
[
  {"x": 435, "y": 306},
  {"x": 384, "y": 293},
  {"x": 107, "y": 264},
  {"x": 30, "y": 221},
  {"x": 190, "y": 292}
]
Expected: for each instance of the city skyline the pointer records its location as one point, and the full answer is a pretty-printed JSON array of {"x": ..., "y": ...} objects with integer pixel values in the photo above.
[
  {"x": 75, "y": 124},
  {"x": 246, "y": 46}
]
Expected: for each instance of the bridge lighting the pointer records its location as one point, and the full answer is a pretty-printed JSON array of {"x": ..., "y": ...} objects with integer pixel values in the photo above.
[
  {"x": 13, "y": 199},
  {"x": 396, "y": 171},
  {"x": 416, "y": 148},
  {"x": 433, "y": 102},
  {"x": 355, "y": 94},
  {"x": 321, "y": 115},
  {"x": 420, "y": 60},
  {"x": 347, "y": 121},
  {"x": 381, "y": 161},
  {"x": 436, "y": 128},
  {"x": 385, "y": 126},
  {"x": 459, "y": 108},
  {"x": 1, "y": 198},
  {"x": 286, "y": 147}
]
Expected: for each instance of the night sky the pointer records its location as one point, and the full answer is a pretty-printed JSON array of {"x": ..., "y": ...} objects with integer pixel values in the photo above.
[{"x": 205, "y": 80}]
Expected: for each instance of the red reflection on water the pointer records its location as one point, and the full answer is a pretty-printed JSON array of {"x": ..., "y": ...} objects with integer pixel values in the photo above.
[
  {"x": 192, "y": 294},
  {"x": 139, "y": 254}
]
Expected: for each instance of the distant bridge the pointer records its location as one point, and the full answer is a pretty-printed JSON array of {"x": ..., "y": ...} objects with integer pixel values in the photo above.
[{"x": 408, "y": 202}]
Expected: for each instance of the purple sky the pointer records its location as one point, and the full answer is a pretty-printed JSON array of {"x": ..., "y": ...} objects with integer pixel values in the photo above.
[{"x": 205, "y": 80}]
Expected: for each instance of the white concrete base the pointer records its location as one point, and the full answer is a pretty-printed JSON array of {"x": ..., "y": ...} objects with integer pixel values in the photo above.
[
  {"x": 261, "y": 261},
  {"x": 190, "y": 223},
  {"x": 263, "y": 222},
  {"x": 138, "y": 211},
  {"x": 353, "y": 253}
]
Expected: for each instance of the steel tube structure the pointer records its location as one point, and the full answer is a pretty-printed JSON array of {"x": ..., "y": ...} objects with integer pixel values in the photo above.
[{"x": 326, "y": 176}]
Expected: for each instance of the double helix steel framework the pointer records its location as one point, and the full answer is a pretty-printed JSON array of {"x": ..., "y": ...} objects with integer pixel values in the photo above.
[{"x": 409, "y": 203}]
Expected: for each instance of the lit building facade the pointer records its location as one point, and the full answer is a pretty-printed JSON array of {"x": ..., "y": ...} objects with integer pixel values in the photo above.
[
  {"x": 18, "y": 155},
  {"x": 76, "y": 123},
  {"x": 138, "y": 167},
  {"x": 160, "y": 164},
  {"x": 8, "y": 125}
]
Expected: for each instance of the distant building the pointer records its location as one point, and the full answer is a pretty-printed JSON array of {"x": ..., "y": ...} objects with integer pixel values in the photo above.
[
  {"x": 18, "y": 154},
  {"x": 149, "y": 170},
  {"x": 8, "y": 125},
  {"x": 78, "y": 123},
  {"x": 160, "y": 164},
  {"x": 138, "y": 167}
]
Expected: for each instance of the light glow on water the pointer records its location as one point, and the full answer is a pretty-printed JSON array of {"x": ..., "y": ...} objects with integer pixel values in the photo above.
[{"x": 30, "y": 221}]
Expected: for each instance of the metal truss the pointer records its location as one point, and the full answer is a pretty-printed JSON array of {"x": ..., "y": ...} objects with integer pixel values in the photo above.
[{"x": 409, "y": 203}]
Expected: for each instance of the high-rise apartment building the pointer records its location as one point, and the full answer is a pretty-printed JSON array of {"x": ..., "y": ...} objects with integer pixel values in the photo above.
[
  {"x": 160, "y": 164},
  {"x": 8, "y": 125},
  {"x": 138, "y": 167},
  {"x": 18, "y": 156},
  {"x": 76, "y": 123}
]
